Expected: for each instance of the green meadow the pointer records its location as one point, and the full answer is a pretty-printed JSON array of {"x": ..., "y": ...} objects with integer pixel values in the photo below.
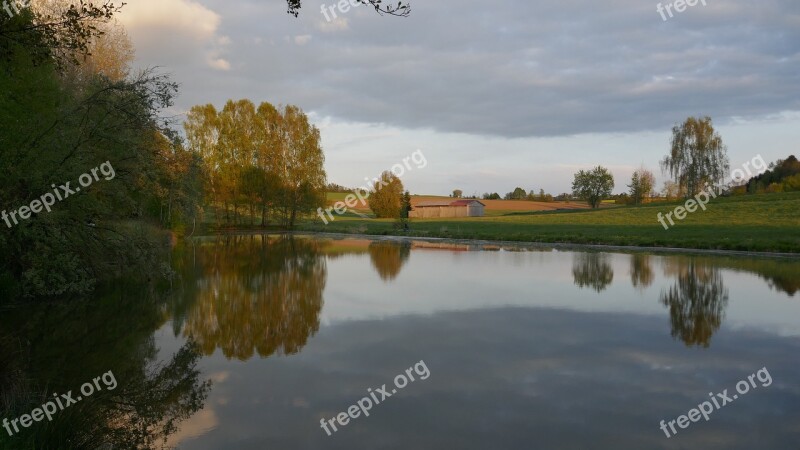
[{"x": 762, "y": 223}]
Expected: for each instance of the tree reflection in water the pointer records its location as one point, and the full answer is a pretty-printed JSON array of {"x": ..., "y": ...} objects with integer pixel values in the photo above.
[
  {"x": 592, "y": 270},
  {"x": 55, "y": 348},
  {"x": 388, "y": 258},
  {"x": 696, "y": 301},
  {"x": 641, "y": 271},
  {"x": 253, "y": 294}
]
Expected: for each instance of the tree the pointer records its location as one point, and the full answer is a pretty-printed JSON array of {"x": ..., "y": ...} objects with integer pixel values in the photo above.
[
  {"x": 641, "y": 187},
  {"x": 261, "y": 157},
  {"x": 492, "y": 196},
  {"x": 517, "y": 194},
  {"x": 458, "y": 193},
  {"x": 57, "y": 127},
  {"x": 108, "y": 50},
  {"x": 405, "y": 208},
  {"x": 593, "y": 185},
  {"x": 61, "y": 36},
  {"x": 387, "y": 196},
  {"x": 400, "y": 10},
  {"x": 697, "y": 156},
  {"x": 671, "y": 190}
]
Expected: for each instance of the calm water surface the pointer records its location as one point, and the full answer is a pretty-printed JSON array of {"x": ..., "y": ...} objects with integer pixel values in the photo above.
[{"x": 525, "y": 347}]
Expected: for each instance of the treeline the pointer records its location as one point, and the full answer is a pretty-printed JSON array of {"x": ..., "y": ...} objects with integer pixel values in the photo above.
[
  {"x": 516, "y": 194},
  {"x": 262, "y": 161},
  {"x": 782, "y": 176},
  {"x": 68, "y": 103}
]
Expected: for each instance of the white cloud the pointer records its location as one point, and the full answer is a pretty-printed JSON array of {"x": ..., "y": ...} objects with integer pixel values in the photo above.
[
  {"x": 164, "y": 31},
  {"x": 339, "y": 24},
  {"x": 303, "y": 39}
]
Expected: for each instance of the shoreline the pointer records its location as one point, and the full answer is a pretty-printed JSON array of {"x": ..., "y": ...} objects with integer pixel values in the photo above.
[{"x": 529, "y": 244}]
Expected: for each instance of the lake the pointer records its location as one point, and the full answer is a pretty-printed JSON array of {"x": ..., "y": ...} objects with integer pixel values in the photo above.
[{"x": 479, "y": 346}]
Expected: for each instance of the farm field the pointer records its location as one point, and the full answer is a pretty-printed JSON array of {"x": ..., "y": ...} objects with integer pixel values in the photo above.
[
  {"x": 762, "y": 223},
  {"x": 493, "y": 207}
]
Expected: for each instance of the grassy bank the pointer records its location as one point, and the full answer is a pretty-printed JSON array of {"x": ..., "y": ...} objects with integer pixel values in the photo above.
[{"x": 766, "y": 223}]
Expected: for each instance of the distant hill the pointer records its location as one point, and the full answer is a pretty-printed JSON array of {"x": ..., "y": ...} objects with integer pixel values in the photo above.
[{"x": 783, "y": 176}]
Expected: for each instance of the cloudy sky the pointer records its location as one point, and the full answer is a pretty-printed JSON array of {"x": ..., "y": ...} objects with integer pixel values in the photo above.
[{"x": 495, "y": 94}]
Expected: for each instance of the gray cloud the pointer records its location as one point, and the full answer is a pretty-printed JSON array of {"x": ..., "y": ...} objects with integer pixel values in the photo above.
[{"x": 513, "y": 68}]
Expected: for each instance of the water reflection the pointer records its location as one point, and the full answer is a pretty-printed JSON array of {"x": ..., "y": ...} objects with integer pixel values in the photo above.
[
  {"x": 592, "y": 270},
  {"x": 252, "y": 294},
  {"x": 388, "y": 257},
  {"x": 696, "y": 301},
  {"x": 56, "y": 348},
  {"x": 642, "y": 275}
]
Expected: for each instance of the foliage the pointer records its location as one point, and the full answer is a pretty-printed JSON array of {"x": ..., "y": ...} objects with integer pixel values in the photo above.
[
  {"x": 458, "y": 193},
  {"x": 593, "y": 185},
  {"x": 387, "y": 197},
  {"x": 517, "y": 194},
  {"x": 641, "y": 188},
  {"x": 58, "y": 125},
  {"x": 265, "y": 160},
  {"x": 405, "y": 208},
  {"x": 671, "y": 190},
  {"x": 697, "y": 156},
  {"x": 333, "y": 187},
  {"x": 782, "y": 176},
  {"x": 61, "y": 37},
  {"x": 492, "y": 196}
]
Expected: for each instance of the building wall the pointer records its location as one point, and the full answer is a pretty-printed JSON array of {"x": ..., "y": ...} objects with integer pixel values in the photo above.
[
  {"x": 476, "y": 211},
  {"x": 430, "y": 212}
]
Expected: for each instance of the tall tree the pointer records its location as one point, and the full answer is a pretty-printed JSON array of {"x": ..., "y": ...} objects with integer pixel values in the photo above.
[
  {"x": 641, "y": 187},
  {"x": 58, "y": 127},
  {"x": 387, "y": 198},
  {"x": 260, "y": 157},
  {"x": 593, "y": 185},
  {"x": 697, "y": 156}
]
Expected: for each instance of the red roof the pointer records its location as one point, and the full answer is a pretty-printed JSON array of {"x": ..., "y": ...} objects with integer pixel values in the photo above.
[{"x": 447, "y": 203}]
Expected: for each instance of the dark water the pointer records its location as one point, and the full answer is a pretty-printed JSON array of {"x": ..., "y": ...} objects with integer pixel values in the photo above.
[{"x": 508, "y": 348}]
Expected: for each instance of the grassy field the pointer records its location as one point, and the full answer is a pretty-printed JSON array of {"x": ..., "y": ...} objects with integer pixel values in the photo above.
[{"x": 767, "y": 223}]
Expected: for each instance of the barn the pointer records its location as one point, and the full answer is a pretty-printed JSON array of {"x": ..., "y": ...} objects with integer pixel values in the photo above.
[{"x": 457, "y": 208}]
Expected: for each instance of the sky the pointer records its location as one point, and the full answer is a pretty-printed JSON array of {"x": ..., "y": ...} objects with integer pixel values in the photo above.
[{"x": 494, "y": 94}]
